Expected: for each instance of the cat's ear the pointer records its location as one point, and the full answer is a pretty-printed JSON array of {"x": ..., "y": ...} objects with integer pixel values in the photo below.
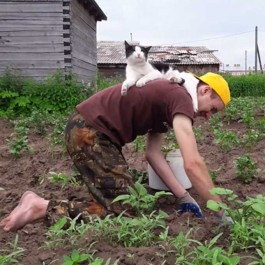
[
  {"x": 148, "y": 48},
  {"x": 126, "y": 44}
]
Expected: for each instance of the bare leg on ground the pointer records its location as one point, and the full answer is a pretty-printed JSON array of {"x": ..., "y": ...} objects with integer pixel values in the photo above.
[{"x": 31, "y": 207}]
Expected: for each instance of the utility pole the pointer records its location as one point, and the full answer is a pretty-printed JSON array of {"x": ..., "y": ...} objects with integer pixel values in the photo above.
[
  {"x": 246, "y": 61},
  {"x": 256, "y": 49}
]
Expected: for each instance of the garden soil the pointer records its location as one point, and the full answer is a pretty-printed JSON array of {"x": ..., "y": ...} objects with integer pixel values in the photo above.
[{"x": 30, "y": 172}]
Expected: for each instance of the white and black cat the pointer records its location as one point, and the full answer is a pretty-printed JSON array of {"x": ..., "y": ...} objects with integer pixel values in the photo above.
[{"x": 139, "y": 71}]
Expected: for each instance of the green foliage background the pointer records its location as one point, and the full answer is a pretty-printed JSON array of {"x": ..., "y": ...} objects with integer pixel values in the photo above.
[
  {"x": 246, "y": 85},
  {"x": 56, "y": 94}
]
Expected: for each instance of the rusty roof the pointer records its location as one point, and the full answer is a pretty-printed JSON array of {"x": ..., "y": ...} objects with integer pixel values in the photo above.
[{"x": 113, "y": 52}]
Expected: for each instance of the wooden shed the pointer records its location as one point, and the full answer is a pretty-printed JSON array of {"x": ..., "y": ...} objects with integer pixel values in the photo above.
[
  {"x": 197, "y": 59},
  {"x": 38, "y": 37}
]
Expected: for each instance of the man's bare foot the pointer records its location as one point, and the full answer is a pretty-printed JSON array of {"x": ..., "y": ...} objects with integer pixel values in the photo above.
[{"x": 31, "y": 207}]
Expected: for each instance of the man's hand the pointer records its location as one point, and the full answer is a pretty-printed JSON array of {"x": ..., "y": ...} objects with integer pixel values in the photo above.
[{"x": 188, "y": 204}]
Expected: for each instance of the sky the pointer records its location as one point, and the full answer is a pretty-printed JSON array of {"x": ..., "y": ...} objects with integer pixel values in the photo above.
[{"x": 228, "y": 26}]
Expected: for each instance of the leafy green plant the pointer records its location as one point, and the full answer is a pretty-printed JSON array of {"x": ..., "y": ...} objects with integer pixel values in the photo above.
[
  {"x": 61, "y": 178},
  {"x": 207, "y": 253},
  {"x": 251, "y": 138},
  {"x": 225, "y": 139},
  {"x": 129, "y": 232},
  {"x": 181, "y": 244},
  {"x": 76, "y": 258},
  {"x": 247, "y": 218},
  {"x": 14, "y": 255},
  {"x": 19, "y": 139},
  {"x": 139, "y": 143},
  {"x": 139, "y": 198},
  {"x": 246, "y": 168},
  {"x": 170, "y": 142},
  {"x": 199, "y": 134},
  {"x": 214, "y": 173}
]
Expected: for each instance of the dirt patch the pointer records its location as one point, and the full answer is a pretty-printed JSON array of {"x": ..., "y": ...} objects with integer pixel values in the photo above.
[{"x": 31, "y": 170}]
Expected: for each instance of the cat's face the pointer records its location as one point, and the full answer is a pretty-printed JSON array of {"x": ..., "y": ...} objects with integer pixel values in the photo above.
[{"x": 136, "y": 53}]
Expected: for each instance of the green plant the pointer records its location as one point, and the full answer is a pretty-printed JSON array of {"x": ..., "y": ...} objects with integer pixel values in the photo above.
[
  {"x": 181, "y": 244},
  {"x": 199, "y": 133},
  {"x": 61, "y": 178},
  {"x": 246, "y": 168},
  {"x": 19, "y": 139},
  {"x": 207, "y": 253},
  {"x": 76, "y": 258},
  {"x": 14, "y": 255},
  {"x": 251, "y": 138},
  {"x": 225, "y": 139},
  {"x": 129, "y": 232},
  {"x": 214, "y": 173},
  {"x": 139, "y": 143},
  {"x": 170, "y": 142},
  {"x": 247, "y": 218},
  {"x": 139, "y": 198}
]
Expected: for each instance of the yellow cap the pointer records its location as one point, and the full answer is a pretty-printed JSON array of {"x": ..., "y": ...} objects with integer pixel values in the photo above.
[{"x": 218, "y": 84}]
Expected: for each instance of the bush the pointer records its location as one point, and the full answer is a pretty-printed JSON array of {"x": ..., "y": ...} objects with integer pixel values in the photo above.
[
  {"x": 57, "y": 93},
  {"x": 247, "y": 85}
]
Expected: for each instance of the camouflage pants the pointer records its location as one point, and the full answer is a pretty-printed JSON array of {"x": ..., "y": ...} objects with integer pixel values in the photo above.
[{"x": 102, "y": 167}]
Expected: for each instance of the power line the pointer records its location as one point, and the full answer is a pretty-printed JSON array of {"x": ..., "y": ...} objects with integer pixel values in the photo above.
[{"x": 213, "y": 38}]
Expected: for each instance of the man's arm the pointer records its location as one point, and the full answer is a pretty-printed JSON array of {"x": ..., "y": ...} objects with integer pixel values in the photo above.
[
  {"x": 193, "y": 163},
  {"x": 157, "y": 160}
]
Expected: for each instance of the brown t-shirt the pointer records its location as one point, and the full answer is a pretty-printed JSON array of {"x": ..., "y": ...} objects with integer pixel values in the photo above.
[{"x": 147, "y": 109}]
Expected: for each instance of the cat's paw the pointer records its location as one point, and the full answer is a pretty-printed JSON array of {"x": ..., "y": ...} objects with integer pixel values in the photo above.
[
  {"x": 176, "y": 80},
  {"x": 124, "y": 89},
  {"x": 140, "y": 83}
]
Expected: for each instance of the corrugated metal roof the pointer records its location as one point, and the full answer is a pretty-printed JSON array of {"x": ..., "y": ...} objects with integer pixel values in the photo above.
[{"x": 113, "y": 52}]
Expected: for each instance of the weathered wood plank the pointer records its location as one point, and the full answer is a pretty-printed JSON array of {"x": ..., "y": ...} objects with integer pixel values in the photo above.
[
  {"x": 30, "y": 15},
  {"x": 33, "y": 47},
  {"x": 31, "y": 33},
  {"x": 30, "y": 1},
  {"x": 85, "y": 78},
  {"x": 32, "y": 27},
  {"x": 79, "y": 13},
  {"x": 83, "y": 56},
  {"x": 38, "y": 7},
  {"x": 40, "y": 64},
  {"x": 53, "y": 56},
  {"x": 30, "y": 23},
  {"x": 31, "y": 40},
  {"x": 83, "y": 65},
  {"x": 82, "y": 71}
]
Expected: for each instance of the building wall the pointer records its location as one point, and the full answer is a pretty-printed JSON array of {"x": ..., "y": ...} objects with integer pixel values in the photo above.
[
  {"x": 31, "y": 37},
  {"x": 83, "y": 42}
]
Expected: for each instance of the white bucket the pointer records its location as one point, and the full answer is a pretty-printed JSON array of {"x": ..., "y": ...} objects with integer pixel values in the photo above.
[{"x": 175, "y": 161}]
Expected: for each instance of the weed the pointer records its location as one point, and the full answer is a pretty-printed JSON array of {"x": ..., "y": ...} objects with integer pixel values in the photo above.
[
  {"x": 76, "y": 258},
  {"x": 63, "y": 179},
  {"x": 248, "y": 218},
  {"x": 225, "y": 139},
  {"x": 14, "y": 255},
  {"x": 246, "y": 168},
  {"x": 129, "y": 232},
  {"x": 139, "y": 198},
  {"x": 139, "y": 143},
  {"x": 207, "y": 253},
  {"x": 19, "y": 139}
]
